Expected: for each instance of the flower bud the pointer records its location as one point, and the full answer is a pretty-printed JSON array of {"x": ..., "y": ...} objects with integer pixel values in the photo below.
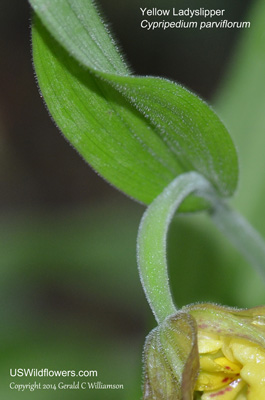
[{"x": 207, "y": 352}]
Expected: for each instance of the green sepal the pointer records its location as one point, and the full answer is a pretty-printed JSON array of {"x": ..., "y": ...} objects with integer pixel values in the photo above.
[
  {"x": 171, "y": 359},
  {"x": 248, "y": 324}
]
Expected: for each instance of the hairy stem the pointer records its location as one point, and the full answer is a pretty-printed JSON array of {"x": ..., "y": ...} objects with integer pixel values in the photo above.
[
  {"x": 242, "y": 235},
  {"x": 151, "y": 242}
]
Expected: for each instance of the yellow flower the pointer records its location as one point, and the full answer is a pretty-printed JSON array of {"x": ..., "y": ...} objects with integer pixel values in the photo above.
[
  {"x": 230, "y": 368},
  {"x": 207, "y": 352}
]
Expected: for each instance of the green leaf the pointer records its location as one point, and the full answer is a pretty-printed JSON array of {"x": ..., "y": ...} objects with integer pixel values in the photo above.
[
  {"x": 77, "y": 26},
  {"x": 139, "y": 133}
]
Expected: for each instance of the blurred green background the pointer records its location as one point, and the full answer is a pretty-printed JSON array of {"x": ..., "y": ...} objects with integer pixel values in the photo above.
[{"x": 70, "y": 292}]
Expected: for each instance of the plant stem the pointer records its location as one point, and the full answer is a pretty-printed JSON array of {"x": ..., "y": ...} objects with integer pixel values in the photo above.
[
  {"x": 151, "y": 242},
  {"x": 241, "y": 234}
]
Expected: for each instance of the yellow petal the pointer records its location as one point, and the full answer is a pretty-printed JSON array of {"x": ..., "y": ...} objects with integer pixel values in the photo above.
[
  {"x": 228, "y": 392},
  {"x": 245, "y": 351},
  {"x": 212, "y": 381},
  {"x": 254, "y": 375},
  {"x": 227, "y": 350},
  {"x": 228, "y": 366},
  {"x": 208, "y": 364},
  {"x": 208, "y": 343}
]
